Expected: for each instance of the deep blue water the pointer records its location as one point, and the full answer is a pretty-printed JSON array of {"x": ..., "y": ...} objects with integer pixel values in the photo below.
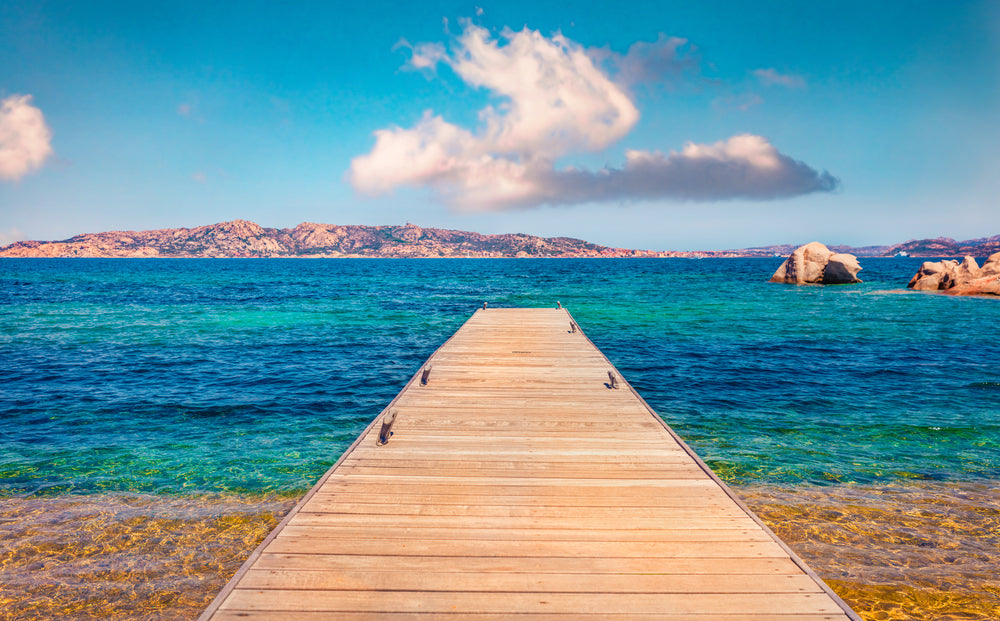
[{"x": 252, "y": 376}]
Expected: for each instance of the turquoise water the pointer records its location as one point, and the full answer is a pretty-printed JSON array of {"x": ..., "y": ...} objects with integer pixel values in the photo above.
[
  {"x": 151, "y": 406},
  {"x": 252, "y": 376}
]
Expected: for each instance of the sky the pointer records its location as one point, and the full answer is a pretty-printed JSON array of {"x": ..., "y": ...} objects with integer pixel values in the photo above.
[{"x": 657, "y": 125}]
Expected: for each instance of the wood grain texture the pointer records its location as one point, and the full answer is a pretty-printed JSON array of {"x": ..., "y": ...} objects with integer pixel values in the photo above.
[{"x": 518, "y": 481}]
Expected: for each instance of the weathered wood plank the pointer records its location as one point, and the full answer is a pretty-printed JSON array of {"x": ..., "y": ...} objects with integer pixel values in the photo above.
[
  {"x": 484, "y": 489},
  {"x": 282, "y": 615},
  {"x": 666, "y": 515},
  {"x": 407, "y": 531},
  {"x": 525, "y": 583},
  {"x": 518, "y": 603},
  {"x": 527, "y": 564},
  {"x": 715, "y": 498},
  {"x": 506, "y": 548},
  {"x": 699, "y": 522}
]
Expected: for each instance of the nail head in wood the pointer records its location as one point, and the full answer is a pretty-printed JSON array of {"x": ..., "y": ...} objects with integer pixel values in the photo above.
[{"x": 386, "y": 430}]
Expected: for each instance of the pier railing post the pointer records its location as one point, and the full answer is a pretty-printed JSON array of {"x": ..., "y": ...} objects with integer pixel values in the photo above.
[{"x": 386, "y": 430}]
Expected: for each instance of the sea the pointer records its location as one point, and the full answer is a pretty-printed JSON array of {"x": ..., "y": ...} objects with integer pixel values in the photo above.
[{"x": 159, "y": 416}]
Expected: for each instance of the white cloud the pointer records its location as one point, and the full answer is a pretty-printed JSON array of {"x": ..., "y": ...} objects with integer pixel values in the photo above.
[
  {"x": 427, "y": 55},
  {"x": 742, "y": 167},
  {"x": 25, "y": 139},
  {"x": 557, "y": 101},
  {"x": 771, "y": 77}
]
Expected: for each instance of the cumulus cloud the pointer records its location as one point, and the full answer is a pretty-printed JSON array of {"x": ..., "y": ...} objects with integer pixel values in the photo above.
[
  {"x": 25, "y": 139},
  {"x": 742, "y": 167},
  {"x": 558, "y": 99},
  {"x": 771, "y": 77}
]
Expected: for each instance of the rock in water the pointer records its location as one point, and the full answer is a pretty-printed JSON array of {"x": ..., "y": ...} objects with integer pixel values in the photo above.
[
  {"x": 817, "y": 264},
  {"x": 930, "y": 275},
  {"x": 965, "y": 278},
  {"x": 992, "y": 265},
  {"x": 841, "y": 269}
]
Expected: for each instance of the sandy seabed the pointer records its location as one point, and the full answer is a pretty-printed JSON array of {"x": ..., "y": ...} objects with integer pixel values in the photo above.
[
  {"x": 915, "y": 551},
  {"x": 923, "y": 550},
  {"x": 125, "y": 556}
]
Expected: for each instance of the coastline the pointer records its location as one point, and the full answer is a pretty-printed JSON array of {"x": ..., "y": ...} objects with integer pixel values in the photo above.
[{"x": 245, "y": 239}]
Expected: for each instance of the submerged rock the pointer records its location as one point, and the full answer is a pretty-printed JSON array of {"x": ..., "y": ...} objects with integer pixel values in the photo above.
[
  {"x": 965, "y": 278},
  {"x": 815, "y": 263}
]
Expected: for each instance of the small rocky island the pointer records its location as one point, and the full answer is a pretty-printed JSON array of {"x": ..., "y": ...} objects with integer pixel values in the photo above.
[
  {"x": 814, "y": 263},
  {"x": 954, "y": 278}
]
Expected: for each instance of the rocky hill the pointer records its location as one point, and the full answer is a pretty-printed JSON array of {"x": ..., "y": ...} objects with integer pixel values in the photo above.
[
  {"x": 937, "y": 247},
  {"x": 947, "y": 247},
  {"x": 241, "y": 238}
]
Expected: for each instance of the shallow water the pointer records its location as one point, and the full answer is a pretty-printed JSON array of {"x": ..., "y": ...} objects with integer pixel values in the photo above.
[
  {"x": 125, "y": 556},
  {"x": 902, "y": 551},
  {"x": 212, "y": 390}
]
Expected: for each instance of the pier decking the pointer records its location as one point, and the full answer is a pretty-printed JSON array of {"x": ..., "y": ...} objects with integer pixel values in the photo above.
[{"x": 518, "y": 482}]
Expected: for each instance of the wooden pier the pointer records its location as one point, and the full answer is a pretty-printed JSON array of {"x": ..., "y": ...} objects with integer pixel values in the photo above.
[{"x": 522, "y": 477}]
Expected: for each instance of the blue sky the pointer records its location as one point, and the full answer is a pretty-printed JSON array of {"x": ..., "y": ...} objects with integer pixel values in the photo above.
[{"x": 659, "y": 125}]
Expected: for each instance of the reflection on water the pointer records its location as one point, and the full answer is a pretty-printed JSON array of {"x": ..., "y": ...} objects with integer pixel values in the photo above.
[
  {"x": 125, "y": 556},
  {"x": 919, "y": 551}
]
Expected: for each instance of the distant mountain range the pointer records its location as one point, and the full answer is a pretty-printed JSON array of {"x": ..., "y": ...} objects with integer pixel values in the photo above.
[
  {"x": 241, "y": 238},
  {"x": 937, "y": 247}
]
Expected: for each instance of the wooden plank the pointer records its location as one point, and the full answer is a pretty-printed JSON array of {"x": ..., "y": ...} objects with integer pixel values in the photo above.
[
  {"x": 526, "y": 583},
  {"x": 329, "y": 517},
  {"x": 519, "y": 603},
  {"x": 407, "y": 531},
  {"x": 299, "y": 615},
  {"x": 508, "y": 465},
  {"x": 518, "y": 481},
  {"x": 717, "y": 498},
  {"x": 507, "y": 548},
  {"x": 683, "y": 471},
  {"x": 627, "y": 493},
  {"x": 527, "y": 564},
  {"x": 664, "y": 514}
]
